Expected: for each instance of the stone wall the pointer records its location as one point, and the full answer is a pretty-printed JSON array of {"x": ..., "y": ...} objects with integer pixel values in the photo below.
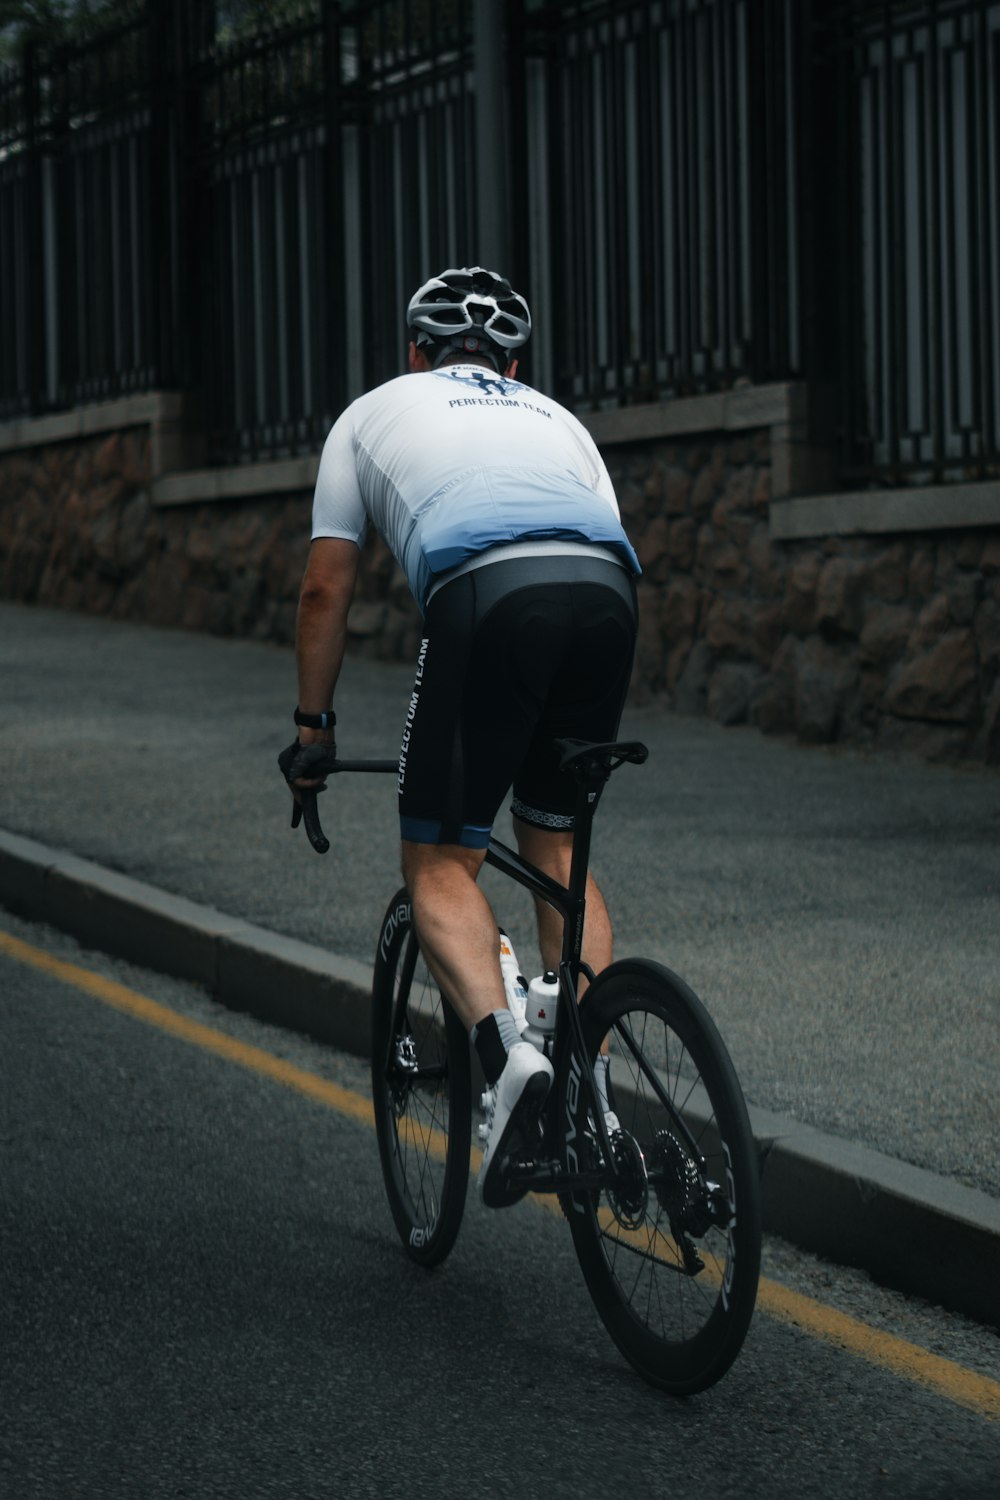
[
  {"x": 79, "y": 530},
  {"x": 887, "y": 641},
  {"x": 890, "y": 641}
]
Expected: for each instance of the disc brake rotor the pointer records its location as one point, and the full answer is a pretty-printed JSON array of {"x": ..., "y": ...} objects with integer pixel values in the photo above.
[{"x": 628, "y": 1193}]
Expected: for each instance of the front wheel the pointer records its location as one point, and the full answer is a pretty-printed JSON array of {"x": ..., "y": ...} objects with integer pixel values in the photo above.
[
  {"x": 670, "y": 1245},
  {"x": 421, "y": 1090}
]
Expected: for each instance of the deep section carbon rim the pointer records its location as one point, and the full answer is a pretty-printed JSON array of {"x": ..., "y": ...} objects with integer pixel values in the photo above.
[
  {"x": 670, "y": 1247},
  {"x": 421, "y": 1093}
]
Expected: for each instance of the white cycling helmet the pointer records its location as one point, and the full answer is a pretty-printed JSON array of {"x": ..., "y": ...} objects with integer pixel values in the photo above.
[{"x": 470, "y": 309}]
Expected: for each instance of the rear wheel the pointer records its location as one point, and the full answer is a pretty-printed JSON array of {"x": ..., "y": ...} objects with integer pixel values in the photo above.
[
  {"x": 421, "y": 1091},
  {"x": 670, "y": 1248}
]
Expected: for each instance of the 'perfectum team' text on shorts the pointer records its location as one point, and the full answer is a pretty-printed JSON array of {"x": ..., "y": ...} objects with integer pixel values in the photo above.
[{"x": 515, "y": 654}]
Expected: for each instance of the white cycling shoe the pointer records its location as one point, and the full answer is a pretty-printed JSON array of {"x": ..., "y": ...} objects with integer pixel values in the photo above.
[{"x": 517, "y": 1102}]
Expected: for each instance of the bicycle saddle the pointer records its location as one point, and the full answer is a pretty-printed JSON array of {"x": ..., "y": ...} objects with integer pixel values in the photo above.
[{"x": 583, "y": 757}]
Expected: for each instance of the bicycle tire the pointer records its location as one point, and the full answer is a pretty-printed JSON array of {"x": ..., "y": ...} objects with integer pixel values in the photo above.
[
  {"x": 421, "y": 1090},
  {"x": 680, "y": 1328}
]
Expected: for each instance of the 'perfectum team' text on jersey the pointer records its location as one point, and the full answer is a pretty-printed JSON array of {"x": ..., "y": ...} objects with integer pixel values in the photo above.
[{"x": 449, "y": 463}]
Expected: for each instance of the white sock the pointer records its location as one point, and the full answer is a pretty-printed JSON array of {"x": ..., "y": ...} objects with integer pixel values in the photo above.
[{"x": 601, "y": 1067}]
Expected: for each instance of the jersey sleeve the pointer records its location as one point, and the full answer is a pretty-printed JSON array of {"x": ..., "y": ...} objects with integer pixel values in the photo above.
[{"x": 338, "y": 505}]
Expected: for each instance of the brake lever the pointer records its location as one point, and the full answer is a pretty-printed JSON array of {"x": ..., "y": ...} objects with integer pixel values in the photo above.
[{"x": 306, "y": 807}]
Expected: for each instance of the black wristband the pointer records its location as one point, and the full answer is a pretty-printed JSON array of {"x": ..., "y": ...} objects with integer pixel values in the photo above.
[{"x": 315, "y": 721}]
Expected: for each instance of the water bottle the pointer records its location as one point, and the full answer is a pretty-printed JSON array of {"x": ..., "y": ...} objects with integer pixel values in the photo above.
[
  {"x": 543, "y": 1002},
  {"x": 513, "y": 983}
]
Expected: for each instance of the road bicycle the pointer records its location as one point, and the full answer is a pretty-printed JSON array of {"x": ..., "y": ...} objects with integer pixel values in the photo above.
[{"x": 664, "y": 1210}]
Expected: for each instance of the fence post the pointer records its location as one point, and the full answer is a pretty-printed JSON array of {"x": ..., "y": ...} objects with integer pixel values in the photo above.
[
  {"x": 825, "y": 191},
  {"x": 161, "y": 309},
  {"x": 334, "y": 284},
  {"x": 829, "y": 188},
  {"x": 34, "y": 260},
  {"x": 490, "y": 64},
  {"x": 191, "y": 30},
  {"x": 517, "y": 264}
]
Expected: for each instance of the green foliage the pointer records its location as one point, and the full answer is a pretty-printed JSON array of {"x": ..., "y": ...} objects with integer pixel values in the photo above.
[
  {"x": 235, "y": 19},
  {"x": 51, "y": 22}
]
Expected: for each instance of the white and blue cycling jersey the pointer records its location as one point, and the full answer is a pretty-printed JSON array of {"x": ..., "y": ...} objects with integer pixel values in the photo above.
[{"x": 453, "y": 463}]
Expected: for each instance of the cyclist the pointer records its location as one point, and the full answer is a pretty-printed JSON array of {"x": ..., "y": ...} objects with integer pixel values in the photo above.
[{"x": 498, "y": 506}]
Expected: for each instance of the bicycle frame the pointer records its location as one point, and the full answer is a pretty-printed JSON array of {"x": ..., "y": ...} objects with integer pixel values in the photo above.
[
  {"x": 570, "y": 901},
  {"x": 591, "y": 768}
]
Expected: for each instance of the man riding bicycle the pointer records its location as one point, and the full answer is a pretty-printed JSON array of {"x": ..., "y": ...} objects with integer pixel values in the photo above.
[{"x": 498, "y": 506}]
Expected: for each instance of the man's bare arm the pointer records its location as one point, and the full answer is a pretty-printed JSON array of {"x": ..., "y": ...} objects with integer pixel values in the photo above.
[{"x": 321, "y": 626}]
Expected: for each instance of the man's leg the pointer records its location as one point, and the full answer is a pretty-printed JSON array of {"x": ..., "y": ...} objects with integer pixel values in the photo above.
[
  {"x": 552, "y": 850},
  {"x": 458, "y": 933},
  {"x": 460, "y": 941}
]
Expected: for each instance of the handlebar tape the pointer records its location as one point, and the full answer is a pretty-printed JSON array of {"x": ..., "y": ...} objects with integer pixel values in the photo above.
[{"x": 310, "y": 812}]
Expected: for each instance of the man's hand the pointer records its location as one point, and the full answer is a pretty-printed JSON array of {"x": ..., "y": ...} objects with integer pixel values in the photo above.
[{"x": 306, "y": 767}]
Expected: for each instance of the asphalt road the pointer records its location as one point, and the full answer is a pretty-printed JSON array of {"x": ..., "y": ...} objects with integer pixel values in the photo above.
[
  {"x": 839, "y": 915},
  {"x": 203, "y": 1296}
]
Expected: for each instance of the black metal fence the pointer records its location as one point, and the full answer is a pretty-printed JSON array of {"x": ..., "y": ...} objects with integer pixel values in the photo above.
[
  {"x": 699, "y": 192},
  {"x": 411, "y": 186},
  {"x": 669, "y": 207},
  {"x": 82, "y": 287},
  {"x": 918, "y": 237},
  {"x": 263, "y": 168}
]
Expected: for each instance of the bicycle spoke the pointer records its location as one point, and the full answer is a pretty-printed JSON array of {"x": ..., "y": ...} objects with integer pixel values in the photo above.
[
  {"x": 670, "y": 1247},
  {"x": 422, "y": 1104}
]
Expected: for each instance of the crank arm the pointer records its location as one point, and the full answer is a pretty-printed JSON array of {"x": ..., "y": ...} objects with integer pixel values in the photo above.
[{"x": 549, "y": 1177}]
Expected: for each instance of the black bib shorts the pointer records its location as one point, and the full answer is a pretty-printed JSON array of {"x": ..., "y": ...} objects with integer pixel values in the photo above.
[{"x": 515, "y": 654}]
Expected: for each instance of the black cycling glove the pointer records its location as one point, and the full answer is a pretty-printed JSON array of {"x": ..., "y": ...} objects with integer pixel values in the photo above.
[{"x": 307, "y": 762}]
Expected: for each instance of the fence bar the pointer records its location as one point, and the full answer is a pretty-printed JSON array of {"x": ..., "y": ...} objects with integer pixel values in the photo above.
[{"x": 490, "y": 54}]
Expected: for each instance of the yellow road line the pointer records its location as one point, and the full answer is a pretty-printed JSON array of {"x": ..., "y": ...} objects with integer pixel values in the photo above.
[
  {"x": 255, "y": 1058},
  {"x": 964, "y": 1387}
]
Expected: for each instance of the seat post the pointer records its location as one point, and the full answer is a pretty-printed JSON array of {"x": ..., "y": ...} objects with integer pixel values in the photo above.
[
  {"x": 590, "y": 764},
  {"x": 590, "y": 778}
]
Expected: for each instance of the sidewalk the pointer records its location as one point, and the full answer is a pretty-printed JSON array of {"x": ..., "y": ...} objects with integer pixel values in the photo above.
[{"x": 839, "y": 916}]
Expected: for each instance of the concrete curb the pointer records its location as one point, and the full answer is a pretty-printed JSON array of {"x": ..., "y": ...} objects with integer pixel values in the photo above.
[
  {"x": 275, "y": 978},
  {"x": 908, "y": 1227}
]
